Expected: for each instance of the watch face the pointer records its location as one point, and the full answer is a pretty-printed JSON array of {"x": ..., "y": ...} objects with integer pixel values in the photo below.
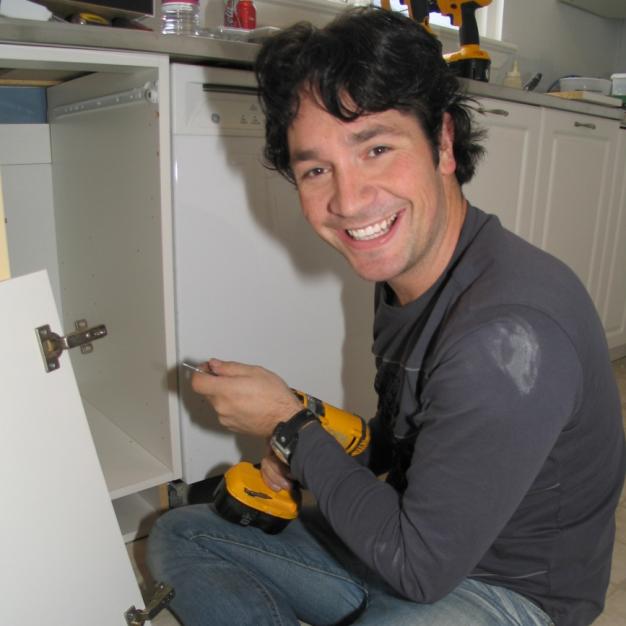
[
  {"x": 281, "y": 453},
  {"x": 285, "y": 435}
]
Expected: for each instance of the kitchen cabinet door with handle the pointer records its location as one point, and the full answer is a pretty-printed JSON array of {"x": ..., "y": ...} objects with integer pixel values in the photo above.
[
  {"x": 613, "y": 274},
  {"x": 63, "y": 558},
  {"x": 505, "y": 178},
  {"x": 573, "y": 191}
]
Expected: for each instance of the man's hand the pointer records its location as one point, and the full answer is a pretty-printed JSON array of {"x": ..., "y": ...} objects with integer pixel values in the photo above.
[
  {"x": 248, "y": 399},
  {"x": 275, "y": 473}
]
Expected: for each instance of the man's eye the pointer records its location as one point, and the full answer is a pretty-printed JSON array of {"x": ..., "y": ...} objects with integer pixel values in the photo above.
[
  {"x": 378, "y": 150},
  {"x": 313, "y": 172}
]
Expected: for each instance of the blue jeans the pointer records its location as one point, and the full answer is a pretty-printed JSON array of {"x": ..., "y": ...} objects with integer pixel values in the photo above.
[{"x": 227, "y": 574}]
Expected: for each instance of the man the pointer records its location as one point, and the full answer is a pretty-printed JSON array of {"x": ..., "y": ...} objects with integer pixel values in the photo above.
[{"x": 498, "y": 427}]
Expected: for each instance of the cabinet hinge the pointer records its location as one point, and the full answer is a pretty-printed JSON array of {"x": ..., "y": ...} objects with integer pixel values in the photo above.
[
  {"x": 52, "y": 344},
  {"x": 161, "y": 597}
]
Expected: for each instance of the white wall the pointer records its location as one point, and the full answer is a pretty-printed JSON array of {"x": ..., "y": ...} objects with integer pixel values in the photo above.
[
  {"x": 620, "y": 57},
  {"x": 557, "y": 39}
]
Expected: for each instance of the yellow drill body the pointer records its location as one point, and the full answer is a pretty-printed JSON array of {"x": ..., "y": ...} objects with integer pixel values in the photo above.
[{"x": 243, "y": 497}]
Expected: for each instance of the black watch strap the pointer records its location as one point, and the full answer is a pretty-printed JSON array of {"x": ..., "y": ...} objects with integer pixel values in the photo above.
[{"x": 285, "y": 436}]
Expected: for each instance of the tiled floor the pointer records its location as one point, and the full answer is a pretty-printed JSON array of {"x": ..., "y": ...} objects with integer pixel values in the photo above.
[{"x": 615, "y": 611}]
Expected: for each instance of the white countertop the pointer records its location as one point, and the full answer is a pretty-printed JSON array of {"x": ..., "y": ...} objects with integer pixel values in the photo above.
[
  {"x": 185, "y": 49},
  {"x": 489, "y": 90}
]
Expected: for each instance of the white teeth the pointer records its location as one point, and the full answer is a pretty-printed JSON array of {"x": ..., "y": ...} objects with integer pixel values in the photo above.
[{"x": 372, "y": 231}]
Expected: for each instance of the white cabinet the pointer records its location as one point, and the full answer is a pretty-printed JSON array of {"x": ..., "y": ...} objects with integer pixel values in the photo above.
[
  {"x": 506, "y": 176},
  {"x": 105, "y": 189},
  {"x": 573, "y": 191},
  {"x": 613, "y": 281},
  {"x": 26, "y": 170}
]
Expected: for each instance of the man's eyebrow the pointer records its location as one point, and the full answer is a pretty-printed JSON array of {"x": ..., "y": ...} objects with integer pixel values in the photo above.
[
  {"x": 304, "y": 155},
  {"x": 373, "y": 131},
  {"x": 354, "y": 139}
]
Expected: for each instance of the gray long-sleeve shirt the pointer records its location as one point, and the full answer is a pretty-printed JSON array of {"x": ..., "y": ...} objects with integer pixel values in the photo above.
[{"x": 499, "y": 422}]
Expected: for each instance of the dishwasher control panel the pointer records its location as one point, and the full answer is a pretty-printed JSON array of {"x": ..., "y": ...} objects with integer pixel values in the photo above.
[
  {"x": 215, "y": 101},
  {"x": 208, "y": 111},
  {"x": 235, "y": 113}
]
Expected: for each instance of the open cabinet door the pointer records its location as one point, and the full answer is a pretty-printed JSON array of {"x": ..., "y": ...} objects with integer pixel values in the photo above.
[{"x": 63, "y": 558}]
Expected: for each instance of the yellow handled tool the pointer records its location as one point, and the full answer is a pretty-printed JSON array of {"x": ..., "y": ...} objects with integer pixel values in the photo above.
[{"x": 242, "y": 497}]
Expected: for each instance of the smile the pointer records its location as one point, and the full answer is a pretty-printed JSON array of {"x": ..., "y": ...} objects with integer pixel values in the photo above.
[{"x": 373, "y": 230}]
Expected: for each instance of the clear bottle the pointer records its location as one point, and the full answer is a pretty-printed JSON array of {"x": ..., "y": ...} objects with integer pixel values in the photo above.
[
  {"x": 513, "y": 78},
  {"x": 180, "y": 17},
  {"x": 229, "y": 13}
]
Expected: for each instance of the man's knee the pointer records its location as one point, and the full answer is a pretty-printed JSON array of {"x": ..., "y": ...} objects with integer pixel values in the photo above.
[
  {"x": 178, "y": 521},
  {"x": 172, "y": 533}
]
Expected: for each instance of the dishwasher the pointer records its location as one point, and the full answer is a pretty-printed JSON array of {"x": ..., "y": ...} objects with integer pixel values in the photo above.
[{"x": 254, "y": 283}]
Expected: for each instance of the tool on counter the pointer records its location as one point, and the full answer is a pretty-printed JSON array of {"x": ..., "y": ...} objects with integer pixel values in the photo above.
[
  {"x": 92, "y": 19},
  {"x": 533, "y": 82},
  {"x": 242, "y": 497},
  {"x": 470, "y": 61}
]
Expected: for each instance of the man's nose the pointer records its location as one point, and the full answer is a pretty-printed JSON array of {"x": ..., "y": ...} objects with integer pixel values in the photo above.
[{"x": 352, "y": 191}]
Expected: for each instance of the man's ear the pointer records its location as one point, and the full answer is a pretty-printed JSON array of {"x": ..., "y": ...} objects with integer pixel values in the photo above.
[{"x": 447, "y": 162}]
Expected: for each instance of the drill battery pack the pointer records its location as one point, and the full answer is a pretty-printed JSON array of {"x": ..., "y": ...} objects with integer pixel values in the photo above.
[{"x": 242, "y": 497}]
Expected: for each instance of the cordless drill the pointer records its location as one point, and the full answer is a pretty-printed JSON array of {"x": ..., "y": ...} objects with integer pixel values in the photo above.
[
  {"x": 243, "y": 497},
  {"x": 470, "y": 61}
]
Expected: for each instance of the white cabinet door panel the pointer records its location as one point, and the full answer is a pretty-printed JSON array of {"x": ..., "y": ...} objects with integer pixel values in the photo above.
[
  {"x": 63, "y": 558},
  {"x": 614, "y": 265},
  {"x": 505, "y": 180},
  {"x": 573, "y": 191}
]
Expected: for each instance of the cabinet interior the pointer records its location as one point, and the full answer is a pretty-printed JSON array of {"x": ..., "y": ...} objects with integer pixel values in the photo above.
[{"x": 87, "y": 198}]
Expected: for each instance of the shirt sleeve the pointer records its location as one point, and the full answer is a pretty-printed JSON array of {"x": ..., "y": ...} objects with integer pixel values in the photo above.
[{"x": 495, "y": 400}]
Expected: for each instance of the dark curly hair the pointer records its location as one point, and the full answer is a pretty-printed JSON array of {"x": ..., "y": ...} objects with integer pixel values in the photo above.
[{"x": 380, "y": 60}]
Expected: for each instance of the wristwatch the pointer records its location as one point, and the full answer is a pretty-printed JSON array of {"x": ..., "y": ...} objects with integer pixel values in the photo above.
[{"x": 285, "y": 436}]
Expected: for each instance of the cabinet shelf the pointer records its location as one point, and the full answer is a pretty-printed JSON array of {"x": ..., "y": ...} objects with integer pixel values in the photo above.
[{"x": 126, "y": 465}]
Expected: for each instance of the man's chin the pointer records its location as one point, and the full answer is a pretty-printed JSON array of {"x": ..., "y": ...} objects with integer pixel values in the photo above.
[
  {"x": 377, "y": 266},
  {"x": 374, "y": 274}
]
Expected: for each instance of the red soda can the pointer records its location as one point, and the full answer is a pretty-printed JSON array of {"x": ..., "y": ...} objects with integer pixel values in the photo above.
[{"x": 245, "y": 14}]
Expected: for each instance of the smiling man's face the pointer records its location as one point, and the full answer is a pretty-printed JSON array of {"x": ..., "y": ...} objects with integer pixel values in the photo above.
[{"x": 371, "y": 189}]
